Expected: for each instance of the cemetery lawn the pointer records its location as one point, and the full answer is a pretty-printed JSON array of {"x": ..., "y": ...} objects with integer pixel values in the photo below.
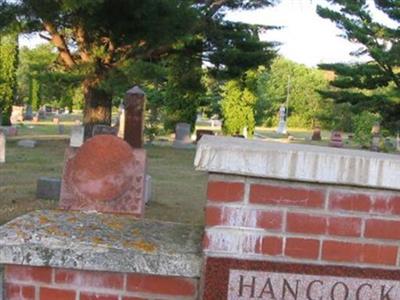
[{"x": 178, "y": 190}]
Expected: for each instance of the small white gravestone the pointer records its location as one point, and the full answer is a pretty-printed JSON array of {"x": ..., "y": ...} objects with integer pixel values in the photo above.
[
  {"x": 121, "y": 122},
  {"x": 2, "y": 147},
  {"x": 182, "y": 136},
  {"x": 147, "y": 191},
  {"x": 77, "y": 136}
]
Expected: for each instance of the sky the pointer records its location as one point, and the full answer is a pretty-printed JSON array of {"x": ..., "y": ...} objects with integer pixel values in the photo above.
[{"x": 306, "y": 38}]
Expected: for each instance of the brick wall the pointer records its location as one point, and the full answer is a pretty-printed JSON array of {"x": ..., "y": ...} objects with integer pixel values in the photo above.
[
  {"x": 300, "y": 222},
  {"x": 42, "y": 283}
]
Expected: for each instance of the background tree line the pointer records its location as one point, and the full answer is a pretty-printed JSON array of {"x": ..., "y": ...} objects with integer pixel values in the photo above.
[{"x": 201, "y": 63}]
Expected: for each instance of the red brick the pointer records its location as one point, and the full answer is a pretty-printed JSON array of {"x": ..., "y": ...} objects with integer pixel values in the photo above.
[
  {"x": 341, "y": 200},
  {"x": 302, "y": 248},
  {"x": 95, "y": 296},
  {"x": 344, "y": 226},
  {"x": 225, "y": 191},
  {"x": 285, "y": 195},
  {"x": 19, "y": 292},
  {"x": 359, "y": 253},
  {"x": 270, "y": 220},
  {"x": 90, "y": 279},
  {"x": 382, "y": 229},
  {"x": 165, "y": 285},
  {"x": 28, "y": 274},
  {"x": 213, "y": 216},
  {"x": 386, "y": 204},
  {"x": 270, "y": 245},
  {"x": 56, "y": 294},
  {"x": 241, "y": 217},
  {"x": 305, "y": 223}
]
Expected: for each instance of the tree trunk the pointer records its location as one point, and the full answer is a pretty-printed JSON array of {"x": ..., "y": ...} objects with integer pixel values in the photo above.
[{"x": 98, "y": 104}]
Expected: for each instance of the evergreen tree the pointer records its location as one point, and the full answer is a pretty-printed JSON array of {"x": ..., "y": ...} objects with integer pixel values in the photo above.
[
  {"x": 237, "y": 105},
  {"x": 98, "y": 37},
  {"x": 8, "y": 74},
  {"x": 34, "y": 94},
  {"x": 372, "y": 86}
]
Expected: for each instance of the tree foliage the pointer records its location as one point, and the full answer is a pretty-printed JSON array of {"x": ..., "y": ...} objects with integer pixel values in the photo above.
[
  {"x": 301, "y": 83},
  {"x": 98, "y": 37},
  {"x": 372, "y": 86},
  {"x": 237, "y": 107},
  {"x": 8, "y": 74}
]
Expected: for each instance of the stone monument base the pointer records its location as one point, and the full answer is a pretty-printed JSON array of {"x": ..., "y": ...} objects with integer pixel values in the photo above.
[{"x": 55, "y": 255}]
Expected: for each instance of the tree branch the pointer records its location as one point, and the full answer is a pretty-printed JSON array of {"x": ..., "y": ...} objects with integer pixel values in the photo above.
[
  {"x": 59, "y": 41},
  {"x": 81, "y": 40},
  {"x": 44, "y": 37}
]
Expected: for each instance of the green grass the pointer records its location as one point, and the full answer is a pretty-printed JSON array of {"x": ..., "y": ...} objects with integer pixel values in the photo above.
[{"x": 178, "y": 190}]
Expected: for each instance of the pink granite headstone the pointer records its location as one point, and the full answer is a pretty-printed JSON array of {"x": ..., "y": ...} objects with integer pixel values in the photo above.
[
  {"x": 336, "y": 139},
  {"x": 106, "y": 175}
]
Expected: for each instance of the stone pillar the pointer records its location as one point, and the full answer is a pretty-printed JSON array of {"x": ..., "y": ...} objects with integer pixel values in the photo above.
[
  {"x": 134, "y": 103},
  {"x": 300, "y": 216}
]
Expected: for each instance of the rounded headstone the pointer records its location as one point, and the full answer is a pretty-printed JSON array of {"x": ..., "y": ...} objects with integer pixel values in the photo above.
[
  {"x": 102, "y": 168},
  {"x": 106, "y": 175}
]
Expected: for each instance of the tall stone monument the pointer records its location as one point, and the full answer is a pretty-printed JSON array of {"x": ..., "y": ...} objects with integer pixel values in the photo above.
[
  {"x": 134, "y": 105},
  {"x": 2, "y": 147},
  {"x": 282, "y": 120}
]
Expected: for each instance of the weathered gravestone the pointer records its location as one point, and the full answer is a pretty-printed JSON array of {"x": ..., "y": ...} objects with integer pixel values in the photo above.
[
  {"x": 148, "y": 189},
  {"x": 2, "y": 147},
  {"x": 182, "y": 135},
  {"x": 27, "y": 143},
  {"x": 104, "y": 129},
  {"x": 10, "y": 131},
  {"x": 77, "y": 136},
  {"x": 105, "y": 174},
  {"x": 28, "y": 113},
  {"x": 42, "y": 113},
  {"x": 36, "y": 118},
  {"x": 17, "y": 114},
  {"x": 376, "y": 137},
  {"x": 316, "y": 136},
  {"x": 48, "y": 188},
  {"x": 56, "y": 121},
  {"x": 336, "y": 139}
]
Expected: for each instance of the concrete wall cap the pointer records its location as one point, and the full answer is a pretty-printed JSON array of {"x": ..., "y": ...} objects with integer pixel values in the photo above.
[
  {"x": 101, "y": 242},
  {"x": 298, "y": 162}
]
